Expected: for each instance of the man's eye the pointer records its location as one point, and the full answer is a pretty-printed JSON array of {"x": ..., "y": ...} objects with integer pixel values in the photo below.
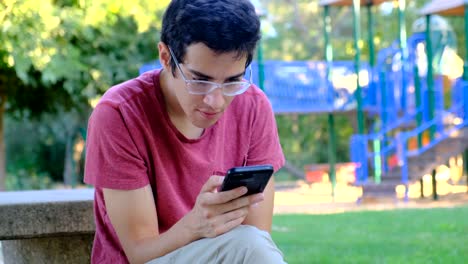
[{"x": 202, "y": 85}]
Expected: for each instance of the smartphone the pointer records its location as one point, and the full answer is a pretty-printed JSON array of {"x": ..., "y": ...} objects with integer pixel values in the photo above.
[{"x": 255, "y": 178}]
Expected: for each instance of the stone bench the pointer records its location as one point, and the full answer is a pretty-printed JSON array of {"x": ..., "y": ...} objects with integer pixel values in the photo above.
[{"x": 51, "y": 226}]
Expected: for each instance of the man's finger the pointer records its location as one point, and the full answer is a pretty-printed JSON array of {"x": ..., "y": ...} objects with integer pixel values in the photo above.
[
  {"x": 230, "y": 220},
  {"x": 212, "y": 184},
  {"x": 218, "y": 198},
  {"x": 240, "y": 202}
]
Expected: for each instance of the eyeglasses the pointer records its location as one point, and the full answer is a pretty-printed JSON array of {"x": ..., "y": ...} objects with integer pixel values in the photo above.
[{"x": 199, "y": 87}]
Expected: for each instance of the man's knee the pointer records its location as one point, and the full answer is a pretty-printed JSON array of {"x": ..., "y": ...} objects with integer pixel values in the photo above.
[
  {"x": 244, "y": 244},
  {"x": 247, "y": 235},
  {"x": 256, "y": 244}
]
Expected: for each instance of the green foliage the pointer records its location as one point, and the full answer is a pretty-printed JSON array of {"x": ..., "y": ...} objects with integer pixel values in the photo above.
[
  {"x": 458, "y": 24},
  {"x": 66, "y": 52},
  {"x": 28, "y": 180},
  {"x": 299, "y": 27},
  {"x": 37, "y": 146},
  {"x": 297, "y": 24},
  {"x": 27, "y": 31},
  {"x": 305, "y": 138},
  {"x": 57, "y": 56},
  {"x": 399, "y": 236}
]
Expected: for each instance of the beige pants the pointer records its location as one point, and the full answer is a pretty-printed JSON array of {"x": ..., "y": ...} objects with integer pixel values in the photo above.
[{"x": 244, "y": 244}]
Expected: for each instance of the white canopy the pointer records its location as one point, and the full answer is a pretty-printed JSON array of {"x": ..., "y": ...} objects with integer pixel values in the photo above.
[
  {"x": 444, "y": 7},
  {"x": 350, "y": 2}
]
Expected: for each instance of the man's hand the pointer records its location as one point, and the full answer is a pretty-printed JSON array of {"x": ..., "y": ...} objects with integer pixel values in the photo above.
[{"x": 215, "y": 213}]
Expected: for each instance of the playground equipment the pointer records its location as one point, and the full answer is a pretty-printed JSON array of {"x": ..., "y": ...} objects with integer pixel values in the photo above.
[
  {"x": 356, "y": 4},
  {"x": 458, "y": 8},
  {"x": 440, "y": 133}
]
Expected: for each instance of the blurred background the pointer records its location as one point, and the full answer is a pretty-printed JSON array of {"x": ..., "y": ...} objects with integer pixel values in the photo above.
[{"x": 57, "y": 57}]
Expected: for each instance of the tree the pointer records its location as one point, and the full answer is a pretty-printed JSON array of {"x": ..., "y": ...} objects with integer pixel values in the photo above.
[{"x": 58, "y": 55}]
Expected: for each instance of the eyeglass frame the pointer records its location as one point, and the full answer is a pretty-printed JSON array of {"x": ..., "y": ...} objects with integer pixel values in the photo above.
[{"x": 214, "y": 85}]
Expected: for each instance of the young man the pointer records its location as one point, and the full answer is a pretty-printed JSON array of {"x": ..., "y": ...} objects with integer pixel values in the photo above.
[{"x": 158, "y": 143}]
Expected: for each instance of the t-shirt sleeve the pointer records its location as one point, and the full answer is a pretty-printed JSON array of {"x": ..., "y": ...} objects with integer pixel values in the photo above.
[
  {"x": 112, "y": 159},
  {"x": 265, "y": 147}
]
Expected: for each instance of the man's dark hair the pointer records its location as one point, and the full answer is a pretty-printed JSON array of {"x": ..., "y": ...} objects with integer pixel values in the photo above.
[{"x": 222, "y": 25}]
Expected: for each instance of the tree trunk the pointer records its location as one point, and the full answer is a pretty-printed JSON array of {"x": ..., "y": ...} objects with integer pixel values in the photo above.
[
  {"x": 2, "y": 145},
  {"x": 68, "y": 177}
]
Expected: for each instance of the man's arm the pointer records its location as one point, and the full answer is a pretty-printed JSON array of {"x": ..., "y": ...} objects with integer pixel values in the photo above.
[
  {"x": 133, "y": 215},
  {"x": 134, "y": 218},
  {"x": 261, "y": 215}
]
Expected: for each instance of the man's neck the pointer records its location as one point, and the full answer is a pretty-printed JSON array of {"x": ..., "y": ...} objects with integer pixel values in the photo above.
[{"x": 187, "y": 129}]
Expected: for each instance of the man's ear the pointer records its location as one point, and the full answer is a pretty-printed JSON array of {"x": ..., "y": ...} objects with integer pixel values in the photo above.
[{"x": 164, "y": 56}]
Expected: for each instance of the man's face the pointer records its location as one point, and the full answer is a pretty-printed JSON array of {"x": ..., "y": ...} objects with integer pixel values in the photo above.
[{"x": 201, "y": 63}]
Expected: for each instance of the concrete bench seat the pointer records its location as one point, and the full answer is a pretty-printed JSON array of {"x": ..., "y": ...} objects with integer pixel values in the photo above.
[{"x": 50, "y": 226}]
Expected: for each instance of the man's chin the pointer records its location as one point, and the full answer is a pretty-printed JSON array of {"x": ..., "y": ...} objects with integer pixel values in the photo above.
[{"x": 204, "y": 123}]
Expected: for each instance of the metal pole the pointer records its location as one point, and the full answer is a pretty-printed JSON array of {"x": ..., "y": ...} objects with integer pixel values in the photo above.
[
  {"x": 370, "y": 41},
  {"x": 465, "y": 166},
  {"x": 383, "y": 96},
  {"x": 261, "y": 73},
  {"x": 402, "y": 138},
  {"x": 421, "y": 185},
  {"x": 430, "y": 80},
  {"x": 328, "y": 46},
  {"x": 465, "y": 92},
  {"x": 417, "y": 91},
  {"x": 331, "y": 120},
  {"x": 465, "y": 66},
  {"x": 370, "y": 29},
  {"x": 384, "y": 113},
  {"x": 332, "y": 151},
  {"x": 357, "y": 34},
  {"x": 435, "y": 196},
  {"x": 404, "y": 51},
  {"x": 261, "y": 13}
]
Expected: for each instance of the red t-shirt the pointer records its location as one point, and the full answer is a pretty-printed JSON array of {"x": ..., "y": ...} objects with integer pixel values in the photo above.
[{"x": 132, "y": 143}]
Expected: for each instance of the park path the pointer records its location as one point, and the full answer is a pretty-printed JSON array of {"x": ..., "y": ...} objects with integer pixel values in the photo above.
[{"x": 317, "y": 199}]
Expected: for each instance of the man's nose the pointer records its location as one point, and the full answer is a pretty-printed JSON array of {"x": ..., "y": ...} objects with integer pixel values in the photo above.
[{"x": 215, "y": 99}]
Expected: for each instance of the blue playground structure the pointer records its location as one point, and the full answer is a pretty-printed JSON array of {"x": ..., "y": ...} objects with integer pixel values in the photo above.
[
  {"x": 300, "y": 86},
  {"x": 416, "y": 131}
]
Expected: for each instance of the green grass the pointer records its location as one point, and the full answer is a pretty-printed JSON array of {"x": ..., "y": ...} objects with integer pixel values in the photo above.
[{"x": 399, "y": 236}]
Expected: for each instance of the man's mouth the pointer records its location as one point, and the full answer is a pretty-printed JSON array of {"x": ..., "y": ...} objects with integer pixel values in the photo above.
[{"x": 209, "y": 114}]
